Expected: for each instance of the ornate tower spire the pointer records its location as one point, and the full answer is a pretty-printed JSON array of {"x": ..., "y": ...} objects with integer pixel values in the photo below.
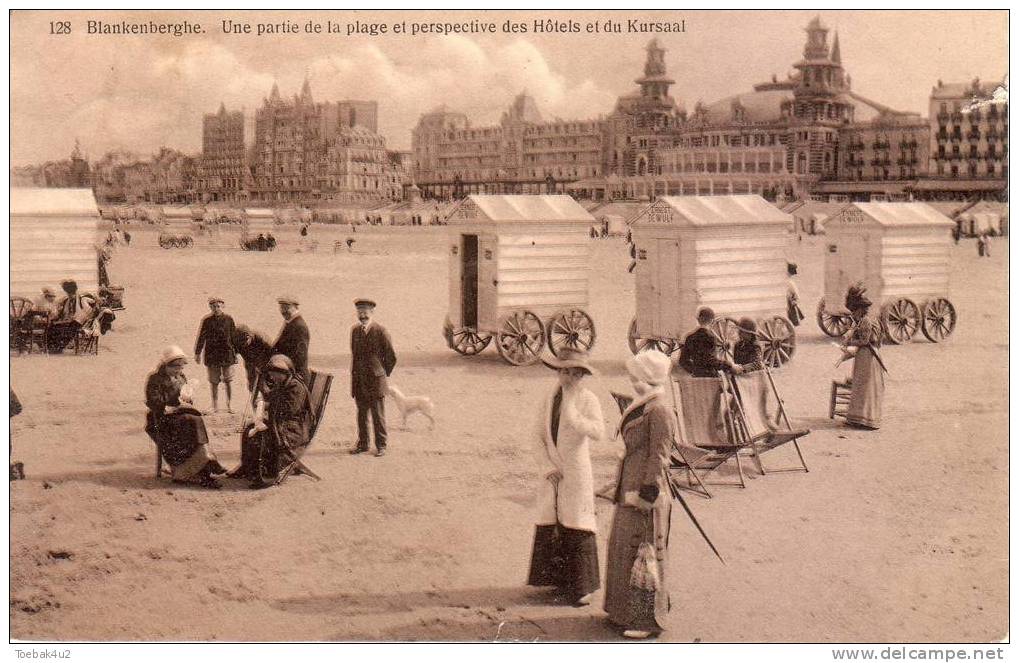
[
  {"x": 836, "y": 54},
  {"x": 655, "y": 82},
  {"x": 817, "y": 41}
]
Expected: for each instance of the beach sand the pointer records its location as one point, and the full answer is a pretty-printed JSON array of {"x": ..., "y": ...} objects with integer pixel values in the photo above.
[{"x": 894, "y": 535}]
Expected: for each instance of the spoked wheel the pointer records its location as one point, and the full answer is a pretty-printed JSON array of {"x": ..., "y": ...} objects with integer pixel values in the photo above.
[
  {"x": 573, "y": 329},
  {"x": 901, "y": 320},
  {"x": 777, "y": 339},
  {"x": 466, "y": 341},
  {"x": 938, "y": 321},
  {"x": 831, "y": 323},
  {"x": 637, "y": 344},
  {"x": 520, "y": 338},
  {"x": 726, "y": 333}
]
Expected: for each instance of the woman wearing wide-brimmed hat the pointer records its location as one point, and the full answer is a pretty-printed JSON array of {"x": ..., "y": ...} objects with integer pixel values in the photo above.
[
  {"x": 643, "y": 502},
  {"x": 565, "y": 553},
  {"x": 868, "y": 382},
  {"x": 176, "y": 426}
]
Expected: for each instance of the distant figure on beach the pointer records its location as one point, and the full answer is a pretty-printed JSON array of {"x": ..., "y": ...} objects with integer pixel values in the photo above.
[
  {"x": 176, "y": 426},
  {"x": 565, "y": 551},
  {"x": 350, "y": 243},
  {"x": 792, "y": 296},
  {"x": 294, "y": 338},
  {"x": 216, "y": 339}
]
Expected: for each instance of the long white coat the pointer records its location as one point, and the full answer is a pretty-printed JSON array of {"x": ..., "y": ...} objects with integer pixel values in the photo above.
[{"x": 580, "y": 423}]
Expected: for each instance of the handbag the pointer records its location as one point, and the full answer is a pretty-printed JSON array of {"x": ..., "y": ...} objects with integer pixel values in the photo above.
[{"x": 644, "y": 573}]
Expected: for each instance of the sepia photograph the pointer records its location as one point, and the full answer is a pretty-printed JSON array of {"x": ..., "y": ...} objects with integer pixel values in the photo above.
[{"x": 516, "y": 326}]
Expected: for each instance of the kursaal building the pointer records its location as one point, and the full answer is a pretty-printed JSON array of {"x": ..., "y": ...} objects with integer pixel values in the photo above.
[{"x": 806, "y": 136}]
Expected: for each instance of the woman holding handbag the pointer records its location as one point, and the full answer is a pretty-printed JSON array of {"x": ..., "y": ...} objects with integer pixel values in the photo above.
[{"x": 636, "y": 598}]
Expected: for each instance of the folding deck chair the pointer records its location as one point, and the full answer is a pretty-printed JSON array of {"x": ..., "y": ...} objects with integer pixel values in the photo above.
[
  {"x": 754, "y": 421},
  {"x": 319, "y": 385},
  {"x": 708, "y": 430}
]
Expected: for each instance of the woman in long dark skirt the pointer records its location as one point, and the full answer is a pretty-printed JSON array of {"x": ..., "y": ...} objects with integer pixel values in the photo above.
[
  {"x": 176, "y": 426},
  {"x": 643, "y": 501}
]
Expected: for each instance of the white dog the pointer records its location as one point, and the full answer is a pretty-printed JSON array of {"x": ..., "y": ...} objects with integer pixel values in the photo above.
[{"x": 408, "y": 405}]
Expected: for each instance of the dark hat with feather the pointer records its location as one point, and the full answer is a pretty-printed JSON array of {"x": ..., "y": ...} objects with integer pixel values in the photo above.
[{"x": 857, "y": 298}]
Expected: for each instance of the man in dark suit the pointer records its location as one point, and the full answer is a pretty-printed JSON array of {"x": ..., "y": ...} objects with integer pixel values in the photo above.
[
  {"x": 698, "y": 356},
  {"x": 294, "y": 338},
  {"x": 372, "y": 360}
]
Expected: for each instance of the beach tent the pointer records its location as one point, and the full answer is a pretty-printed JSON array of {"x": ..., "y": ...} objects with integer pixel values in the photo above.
[{"x": 53, "y": 234}]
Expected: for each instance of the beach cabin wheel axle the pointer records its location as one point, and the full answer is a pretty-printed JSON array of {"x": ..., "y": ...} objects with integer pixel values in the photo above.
[
  {"x": 637, "y": 344},
  {"x": 777, "y": 339},
  {"x": 901, "y": 320},
  {"x": 831, "y": 323},
  {"x": 469, "y": 342},
  {"x": 726, "y": 331},
  {"x": 520, "y": 338},
  {"x": 572, "y": 329},
  {"x": 938, "y": 319}
]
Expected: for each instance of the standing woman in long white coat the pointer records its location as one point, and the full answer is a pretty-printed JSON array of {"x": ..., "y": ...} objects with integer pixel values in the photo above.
[{"x": 565, "y": 553}]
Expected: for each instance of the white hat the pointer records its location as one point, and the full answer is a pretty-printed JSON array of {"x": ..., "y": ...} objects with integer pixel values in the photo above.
[
  {"x": 650, "y": 366},
  {"x": 171, "y": 353}
]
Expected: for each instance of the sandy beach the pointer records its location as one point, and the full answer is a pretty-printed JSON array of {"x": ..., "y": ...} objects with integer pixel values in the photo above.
[{"x": 894, "y": 535}]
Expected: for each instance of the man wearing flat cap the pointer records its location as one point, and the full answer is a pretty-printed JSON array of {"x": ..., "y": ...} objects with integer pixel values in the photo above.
[
  {"x": 294, "y": 338},
  {"x": 372, "y": 360},
  {"x": 216, "y": 339}
]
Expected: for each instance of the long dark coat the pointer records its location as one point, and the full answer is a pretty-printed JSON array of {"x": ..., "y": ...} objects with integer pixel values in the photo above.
[
  {"x": 372, "y": 360},
  {"x": 293, "y": 342}
]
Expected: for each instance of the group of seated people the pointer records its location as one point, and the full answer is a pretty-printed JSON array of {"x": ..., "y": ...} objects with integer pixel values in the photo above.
[
  {"x": 280, "y": 430},
  {"x": 64, "y": 318},
  {"x": 700, "y": 358}
]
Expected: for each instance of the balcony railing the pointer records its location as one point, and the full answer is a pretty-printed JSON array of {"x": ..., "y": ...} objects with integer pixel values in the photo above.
[{"x": 973, "y": 135}]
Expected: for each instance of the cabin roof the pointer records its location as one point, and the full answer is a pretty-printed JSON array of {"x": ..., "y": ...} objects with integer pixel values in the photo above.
[
  {"x": 708, "y": 211},
  {"x": 53, "y": 202},
  {"x": 904, "y": 214},
  {"x": 509, "y": 209}
]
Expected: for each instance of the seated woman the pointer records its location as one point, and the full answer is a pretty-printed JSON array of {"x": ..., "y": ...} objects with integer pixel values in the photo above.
[
  {"x": 176, "y": 426},
  {"x": 284, "y": 431},
  {"x": 747, "y": 353}
]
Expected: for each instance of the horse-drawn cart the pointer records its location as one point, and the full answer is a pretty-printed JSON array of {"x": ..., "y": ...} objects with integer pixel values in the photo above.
[
  {"x": 722, "y": 252},
  {"x": 900, "y": 252},
  {"x": 518, "y": 272},
  {"x": 178, "y": 228}
]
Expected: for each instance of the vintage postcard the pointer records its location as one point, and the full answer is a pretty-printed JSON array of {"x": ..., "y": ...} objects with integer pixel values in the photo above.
[{"x": 510, "y": 326}]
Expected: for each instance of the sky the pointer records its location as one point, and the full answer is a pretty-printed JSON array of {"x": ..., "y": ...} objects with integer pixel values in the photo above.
[{"x": 140, "y": 92}]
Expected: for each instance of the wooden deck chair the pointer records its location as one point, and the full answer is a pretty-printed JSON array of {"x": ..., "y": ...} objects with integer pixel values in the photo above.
[
  {"x": 319, "y": 385},
  {"x": 838, "y": 402},
  {"x": 759, "y": 429},
  {"x": 708, "y": 429}
]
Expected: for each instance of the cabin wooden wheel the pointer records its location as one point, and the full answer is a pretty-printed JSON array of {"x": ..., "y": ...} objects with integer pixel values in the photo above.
[
  {"x": 637, "y": 344},
  {"x": 901, "y": 320},
  {"x": 520, "y": 338},
  {"x": 777, "y": 339},
  {"x": 468, "y": 341},
  {"x": 938, "y": 321},
  {"x": 831, "y": 323},
  {"x": 726, "y": 332},
  {"x": 572, "y": 329}
]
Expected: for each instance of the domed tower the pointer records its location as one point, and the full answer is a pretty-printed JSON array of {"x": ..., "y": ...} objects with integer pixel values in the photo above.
[{"x": 820, "y": 105}]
